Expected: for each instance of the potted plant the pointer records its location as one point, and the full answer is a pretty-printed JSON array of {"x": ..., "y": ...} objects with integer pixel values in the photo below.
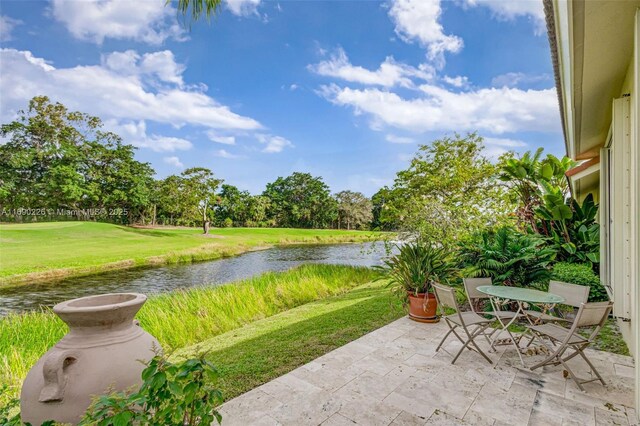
[{"x": 411, "y": 272}]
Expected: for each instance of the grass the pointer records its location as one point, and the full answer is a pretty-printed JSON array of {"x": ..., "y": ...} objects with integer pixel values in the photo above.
[
  {"x": 263, "y": 350},
  {"x": 182, "y": 318},
  {"x": 46, "y": 251}
]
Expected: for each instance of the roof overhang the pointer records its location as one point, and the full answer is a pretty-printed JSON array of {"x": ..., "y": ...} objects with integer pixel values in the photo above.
[{"x": 592, "y": 45}]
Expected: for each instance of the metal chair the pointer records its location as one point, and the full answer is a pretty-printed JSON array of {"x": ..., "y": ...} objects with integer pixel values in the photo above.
[
  {"x": 568, "y": 340},
  {"x": 446, "y": 297},
  {"x": 574, "y": 295}
]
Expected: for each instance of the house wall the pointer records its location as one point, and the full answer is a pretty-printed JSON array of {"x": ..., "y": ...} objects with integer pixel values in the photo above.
[{"x": 628, "y": 327}]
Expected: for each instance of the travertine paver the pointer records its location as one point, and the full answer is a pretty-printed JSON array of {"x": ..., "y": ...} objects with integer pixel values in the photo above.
[{"x": 393, "y": 376}]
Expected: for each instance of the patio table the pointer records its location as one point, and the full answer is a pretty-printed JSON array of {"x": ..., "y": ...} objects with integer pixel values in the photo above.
[{"x": 523, "y": 296}]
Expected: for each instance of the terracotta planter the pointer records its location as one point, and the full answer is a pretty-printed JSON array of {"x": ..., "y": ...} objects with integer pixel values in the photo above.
[
  {"x": 101, "y": 353},
  {"x": 421, "y": 309}
]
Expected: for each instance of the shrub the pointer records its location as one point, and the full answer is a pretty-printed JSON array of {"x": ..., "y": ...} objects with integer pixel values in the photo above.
[
  {"x": 580, "y": 273},
  {"x": 507, "y": 256}
]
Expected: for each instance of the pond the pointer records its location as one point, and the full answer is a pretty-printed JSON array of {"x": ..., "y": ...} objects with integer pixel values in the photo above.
[{"x": 171, "y": 277}]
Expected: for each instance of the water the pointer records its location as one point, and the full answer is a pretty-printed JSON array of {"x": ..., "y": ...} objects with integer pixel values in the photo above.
[{"x": 171, "y": 277}]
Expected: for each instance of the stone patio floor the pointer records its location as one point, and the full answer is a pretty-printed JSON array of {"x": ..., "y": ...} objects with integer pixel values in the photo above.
[{"x": 393, "y": 376}]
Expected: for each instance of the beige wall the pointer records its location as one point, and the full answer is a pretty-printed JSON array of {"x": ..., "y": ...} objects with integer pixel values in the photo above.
[{"x": 627, "y": 328}]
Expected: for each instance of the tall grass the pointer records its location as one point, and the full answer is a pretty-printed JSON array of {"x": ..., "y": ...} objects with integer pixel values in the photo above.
[{"x": 185, "y": 317}]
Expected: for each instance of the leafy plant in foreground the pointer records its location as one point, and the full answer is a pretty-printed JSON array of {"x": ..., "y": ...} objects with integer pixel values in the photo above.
[
  {"x": 171, "y": 394},
  {"x": 507, "y": 256}
]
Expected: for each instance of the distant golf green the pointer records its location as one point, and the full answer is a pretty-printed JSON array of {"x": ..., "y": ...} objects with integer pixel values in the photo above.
[{"x": 41, "y": 251}]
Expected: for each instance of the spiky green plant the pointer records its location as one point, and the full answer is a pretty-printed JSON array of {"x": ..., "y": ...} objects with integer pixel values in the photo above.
[{"x": 415, "y": 267}]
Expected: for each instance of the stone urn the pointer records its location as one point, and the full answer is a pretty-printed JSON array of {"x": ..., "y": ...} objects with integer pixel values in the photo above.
[{"x": 103, "y": 351}]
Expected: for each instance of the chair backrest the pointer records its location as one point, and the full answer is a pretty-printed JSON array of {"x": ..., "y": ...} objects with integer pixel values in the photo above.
[
  {"x": 471, "y": 287},
  {"x": 592, "y": 314},
  {"x": 446, "y": 297},
  {"x": 574, "y": 295}
]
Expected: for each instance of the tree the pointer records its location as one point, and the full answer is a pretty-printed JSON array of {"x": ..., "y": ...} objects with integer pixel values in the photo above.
[
  {"x": 233, "y": 205},
  {"x": 384, "y": 214},
  {"x": 354, "y": 210},
  {"x": 198, "y": 190},
  {"x": 197, "y": 8},
  {"x": 531, "y": 178},
  {"x": 55, "y": 158},
  {"x": 449, "y": 191},
  {"x": 300, "y": 201}
]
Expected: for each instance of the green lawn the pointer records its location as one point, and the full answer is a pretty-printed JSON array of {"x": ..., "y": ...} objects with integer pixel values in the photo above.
[
  {"x": 182, "y": 318},
  {"x": 265, "y": 349},
  {"x": 41, "y": 251}
]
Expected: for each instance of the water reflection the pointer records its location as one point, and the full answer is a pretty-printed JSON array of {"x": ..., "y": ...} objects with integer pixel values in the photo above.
[{"x": 167, "y": 278}]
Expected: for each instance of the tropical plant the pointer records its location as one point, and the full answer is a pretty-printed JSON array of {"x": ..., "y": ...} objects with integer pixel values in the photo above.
[
  {"x": 507, "y": 256},
  {"x": 571, "y": 228},
  {"x": 530, "y": 177},
  {"x": 415, "y": 267},
  {"x": 170, "y": 394}
]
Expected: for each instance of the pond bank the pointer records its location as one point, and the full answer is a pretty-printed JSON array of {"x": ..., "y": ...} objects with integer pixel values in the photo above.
[
  {"x": 48, "y": 252},
  {"x": 182, "y": 318}
]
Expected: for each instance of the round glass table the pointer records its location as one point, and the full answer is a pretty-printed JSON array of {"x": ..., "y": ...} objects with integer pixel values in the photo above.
[{"x": 500, "y": 295}]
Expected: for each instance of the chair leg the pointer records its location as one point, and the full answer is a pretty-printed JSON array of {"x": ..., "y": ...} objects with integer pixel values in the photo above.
[
  {"x": 460, "y": 351},
  {"x": 480, "y": 351},
  {"x": 593, "y": 368},
  {"x": 444, "y": 338},
  {"x": 571, "y": 374}
]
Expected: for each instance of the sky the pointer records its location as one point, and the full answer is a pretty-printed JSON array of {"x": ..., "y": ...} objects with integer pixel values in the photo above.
[{"x": 346, "y": 90}]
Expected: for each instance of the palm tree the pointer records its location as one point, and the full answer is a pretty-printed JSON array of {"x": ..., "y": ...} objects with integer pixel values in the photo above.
[{"x": 197, "y": 8}]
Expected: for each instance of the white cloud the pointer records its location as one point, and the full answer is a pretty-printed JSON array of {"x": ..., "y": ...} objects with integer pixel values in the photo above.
[
  {"x": 514, "y": 79},
  {"x": 173, "y": 161},
  {"x": 510, "y": 10},
  {"x": 390, "y": 73},
  {"x": 135, "y": 133},
  {"x": 148, "y": 21},
  {"x": 274, "y": 144},
  {"x": 505, "y": 142},
  {"x": 493, "y": 110},
  {"x": 7, "y": 25},
  {"x": 160, "y": 65},
  {"x": 113, "y": 94},
  {"x": 226, "y": 140},
  {"x": 495, "y": 147},
  {"x": 243, "y": 7},
  {"x": 458, "y": 81},
  {"x": 222, "y": 153},
  {"x": 399, "y": 139},
  {"x": 294, "y": 87},
  {"x": 419, "y": 20}
]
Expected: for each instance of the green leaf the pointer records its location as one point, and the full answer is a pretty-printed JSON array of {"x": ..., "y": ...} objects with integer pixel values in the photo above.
[
  {"x": 546, "y": 171},
  {"x": 562, "y": 212}
]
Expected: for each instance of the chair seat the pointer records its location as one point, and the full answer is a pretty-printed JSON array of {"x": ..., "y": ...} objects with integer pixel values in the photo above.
[
  {"x": 469, "y": 318},
  {"x": 503, "y": 314},
  {"x": 558, "y": 333},
  {"x": 544, "y": 317}
]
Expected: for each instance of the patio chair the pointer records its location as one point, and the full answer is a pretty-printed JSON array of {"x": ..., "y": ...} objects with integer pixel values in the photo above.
[
  {"x": 570, "y": 343},
  {"x": 471, "y": 323},
  {"x": 574, "y": 295}
]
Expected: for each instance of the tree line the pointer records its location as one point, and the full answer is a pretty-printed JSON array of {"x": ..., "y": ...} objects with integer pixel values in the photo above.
[{"x": 57, "y": 164}]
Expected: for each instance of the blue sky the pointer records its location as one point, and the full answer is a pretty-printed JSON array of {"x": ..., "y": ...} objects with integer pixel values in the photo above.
[{"x": 342, "y": 89}]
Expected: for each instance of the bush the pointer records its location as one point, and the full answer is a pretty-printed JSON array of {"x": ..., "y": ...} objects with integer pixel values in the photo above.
[{"x": 580, "y": 273}]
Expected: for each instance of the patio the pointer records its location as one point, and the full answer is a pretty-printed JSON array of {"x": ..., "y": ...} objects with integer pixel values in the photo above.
[{"x": 393, "y": 376}]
